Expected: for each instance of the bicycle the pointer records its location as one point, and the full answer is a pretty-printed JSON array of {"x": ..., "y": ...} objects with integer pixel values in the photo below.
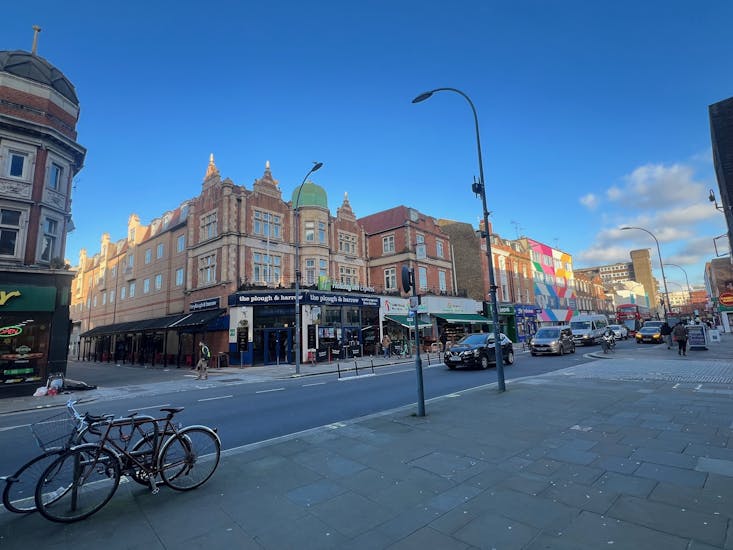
[
  {"x": 54, "y": 435},
  {"x": 85, "y": 477}
]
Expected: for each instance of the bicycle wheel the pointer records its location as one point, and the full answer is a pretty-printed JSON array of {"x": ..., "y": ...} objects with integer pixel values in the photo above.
[
  {"x": 189, "y": 458},
  {"x": 20, "y": 488},
  {"x": 78, "y": 483},
  {"x": 143, "y": 451}
]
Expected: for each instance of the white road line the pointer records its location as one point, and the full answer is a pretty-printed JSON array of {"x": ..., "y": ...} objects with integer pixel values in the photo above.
[
  {"x": 214, "y": 398},
  {"x": 268, "y": 391},
  {"x": 14, "y": 427},
  {"x": 150, "y": 407},
  {"x": 697, "y": 388},
  {"x": 316, "y": 384},
  {"x": 675, "y": 386}
]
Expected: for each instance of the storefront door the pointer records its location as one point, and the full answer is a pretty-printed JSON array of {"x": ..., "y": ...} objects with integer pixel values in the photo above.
[{"x": 278, "y": 346}]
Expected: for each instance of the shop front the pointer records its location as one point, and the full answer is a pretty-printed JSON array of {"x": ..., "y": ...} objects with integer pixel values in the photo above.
[
  {"x": 34, "y": 330},
  {"x": 525, "y": 321},
  {"x": 333, "y": 326}
]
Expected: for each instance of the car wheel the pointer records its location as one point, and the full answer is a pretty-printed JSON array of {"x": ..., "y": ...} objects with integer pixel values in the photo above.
[
  {"x": 452, "y": 367},
  {"x": 572, "y": 350},
  {"x": 509, "y": 357},
  {"x": 484, "y": 362},
  {"x": 533, "y": 354}
]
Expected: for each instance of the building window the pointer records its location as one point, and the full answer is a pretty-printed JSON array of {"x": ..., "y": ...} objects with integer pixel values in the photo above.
[
  {"x": 111, "y": 296},
  {"x": 132, "y": 289},
  {"x": 420, "y": 238},
  {"x": 94, "y": 302},
  {"x": 267, "y": 224},
  {"x": 390, "y": 278},
  {"x": 347, "y": 243},
  {"x": 159, "y": 251},
  {"x": 267, "y": 268},
  {"x": 423, "y": 277},
  {"x": 55, "y": 175},
  {"x": 181, "y": 243},
  {"x": 207, "y": 269},
  {"x": 123, "y": 292},
  {"x": 179, "y": 276},
  {"x": 439, "y": 249},
  {"x": 9, "y": 231},
  {"x": 146, "y": 286},
  {"x": 49, "y": 239},
  {"x": 388, "y": 244},
  {"x": 208, "y": 226},
  {"x": 441, "y": 281},
  {"x": 130, "y": 261},
  {"x": 321, "y": 232},
  {"x": 310, "y": 271},
  {"x": 347, "y": 275},
  {"x": 17, "y": 165},
  {"x": 148, "y": 256},
  {"x": 104, "y": 298},
  {"x": 158, "y": 281},
  {"x": 310, "y": 231}
]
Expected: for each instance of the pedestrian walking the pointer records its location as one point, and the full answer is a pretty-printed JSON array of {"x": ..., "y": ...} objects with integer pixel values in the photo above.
[
  {"x": 386, "y": 344},
  {"x": 203, "y": 365},
  {"x": 679, "y": 332},
  {"x": 443, "y": 340},
  {"x": 666, "y": 331}
]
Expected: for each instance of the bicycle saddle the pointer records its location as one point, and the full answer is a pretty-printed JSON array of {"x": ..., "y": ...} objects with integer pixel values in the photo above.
[{"x": 172, "y": 410}]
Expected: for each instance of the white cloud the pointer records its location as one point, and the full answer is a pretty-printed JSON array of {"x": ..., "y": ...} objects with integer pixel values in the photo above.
[
  {"x": 657, "y": 186},
  {"x": 590, "y": 201}
]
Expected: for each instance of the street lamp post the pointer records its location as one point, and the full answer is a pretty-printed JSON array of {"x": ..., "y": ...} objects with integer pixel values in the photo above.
[
  {"x": 661, "y": 265},
  {"x": 296, "y": 213},
  {"x": 687, "y": 282},
  {"x": 480, "y": 189}
]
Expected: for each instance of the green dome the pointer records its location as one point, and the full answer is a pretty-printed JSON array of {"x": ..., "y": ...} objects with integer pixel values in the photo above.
[{"x": 310, "y": 195}]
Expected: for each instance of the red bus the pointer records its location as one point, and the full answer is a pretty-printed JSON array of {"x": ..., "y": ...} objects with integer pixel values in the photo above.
[{"x": 632, "y": 316}]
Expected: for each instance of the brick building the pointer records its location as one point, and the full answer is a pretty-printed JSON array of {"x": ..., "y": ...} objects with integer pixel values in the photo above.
[{"x": 39, "y": 156}]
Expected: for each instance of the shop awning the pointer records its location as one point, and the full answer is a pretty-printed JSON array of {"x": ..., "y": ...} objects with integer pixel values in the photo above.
[
  {"x": 196, "y": 319},
  {"x": 178, "y": 321},
  {"x": 406, "y": 321},
  {"x": 470, "y": 318}
]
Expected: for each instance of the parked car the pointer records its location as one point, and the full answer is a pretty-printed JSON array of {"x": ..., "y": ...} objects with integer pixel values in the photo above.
[
  {"x": 649, "y": 334},
  {"x": 477, "y": 350},
  {"x": 556, "y": 340},
  {"x": 619, "y": 331}
]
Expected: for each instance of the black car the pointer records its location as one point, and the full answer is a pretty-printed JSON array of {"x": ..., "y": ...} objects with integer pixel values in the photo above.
[{"x": 477, "y": 350}]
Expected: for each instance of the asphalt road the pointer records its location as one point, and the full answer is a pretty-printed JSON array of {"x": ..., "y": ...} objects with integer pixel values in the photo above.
[{"x": 246, "y": 413}]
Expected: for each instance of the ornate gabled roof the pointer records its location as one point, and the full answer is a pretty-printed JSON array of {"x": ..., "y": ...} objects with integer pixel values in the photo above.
[
  {"x": 267, "y": 184},
  {"x": 212, "y": 172},
  {"x": 344, "y": 211},
  {"x": 33, "y": 67}
]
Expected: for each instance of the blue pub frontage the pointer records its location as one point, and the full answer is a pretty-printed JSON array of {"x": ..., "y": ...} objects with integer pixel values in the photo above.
[{"x": 333, "y": 325}]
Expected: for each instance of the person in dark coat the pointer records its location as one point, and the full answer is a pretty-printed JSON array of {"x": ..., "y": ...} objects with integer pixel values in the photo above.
[
  {"x": 666, "y": 331},
  {"x": 680, "y": 335}
]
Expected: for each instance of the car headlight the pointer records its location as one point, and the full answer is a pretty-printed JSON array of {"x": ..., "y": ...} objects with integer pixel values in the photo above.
[{"x": 476, "y": 352}]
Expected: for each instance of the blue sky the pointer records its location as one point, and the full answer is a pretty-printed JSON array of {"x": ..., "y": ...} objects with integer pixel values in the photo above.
[{"x": 593, "y": 115}]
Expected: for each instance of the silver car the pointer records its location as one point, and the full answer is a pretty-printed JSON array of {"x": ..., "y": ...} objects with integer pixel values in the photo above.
[{"x": 554, "y": 340}]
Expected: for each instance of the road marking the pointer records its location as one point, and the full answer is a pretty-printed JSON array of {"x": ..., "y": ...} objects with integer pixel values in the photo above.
[
  {"x": 316, "y": 384},
  {"x": 697, "y": 388},
  {"x": 14, "y": 427},
  {"x": 676, "y": 386},
  {"x": 268, "y": 391},
  {"x": 150, "y": 407},
  {"x": 213, "y": 398}
]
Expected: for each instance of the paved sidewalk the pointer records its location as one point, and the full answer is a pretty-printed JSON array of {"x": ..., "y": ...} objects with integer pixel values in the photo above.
[{"x": 621, "y": 452}]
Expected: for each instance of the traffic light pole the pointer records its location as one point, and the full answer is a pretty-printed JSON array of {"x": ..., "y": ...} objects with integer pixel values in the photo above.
[{"x": 408, "y": 281}]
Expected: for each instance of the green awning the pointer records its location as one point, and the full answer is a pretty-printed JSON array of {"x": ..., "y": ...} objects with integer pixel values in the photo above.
[
  {"x": 406, "y": 321},
  {"x": 470, "y": 318}
]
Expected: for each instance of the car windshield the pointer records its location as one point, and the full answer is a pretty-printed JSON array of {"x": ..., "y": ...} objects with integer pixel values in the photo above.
[
  {"x": 650, "y": 330},
  {"x": 548, "y": 333},
  {"x": 614, "y": 327},
  {"x": 475, "y": 339},
  {"x": 580, "y": 325}
]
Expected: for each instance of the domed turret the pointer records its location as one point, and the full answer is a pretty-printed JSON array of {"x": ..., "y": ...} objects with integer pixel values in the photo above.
[
  {"x": 33, "y": 67},
  {"x": 310, "y": 195}
]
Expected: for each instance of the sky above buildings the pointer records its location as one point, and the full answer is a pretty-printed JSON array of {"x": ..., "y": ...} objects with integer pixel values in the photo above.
[{"x": 593, "y": 115}]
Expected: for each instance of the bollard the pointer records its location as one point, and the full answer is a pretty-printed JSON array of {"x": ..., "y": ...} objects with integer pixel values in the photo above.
[
  {"x": 356, "y": 368},
  {"x": 338, "y": 368},
  {"x": 372, "y": 362}
]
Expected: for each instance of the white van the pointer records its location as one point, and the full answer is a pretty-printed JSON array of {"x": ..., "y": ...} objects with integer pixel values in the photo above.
[{"x": 588, "y": 328}]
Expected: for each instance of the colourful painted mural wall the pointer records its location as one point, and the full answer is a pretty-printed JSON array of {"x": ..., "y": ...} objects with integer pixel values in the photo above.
[{"x": 553, "y": 287}]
